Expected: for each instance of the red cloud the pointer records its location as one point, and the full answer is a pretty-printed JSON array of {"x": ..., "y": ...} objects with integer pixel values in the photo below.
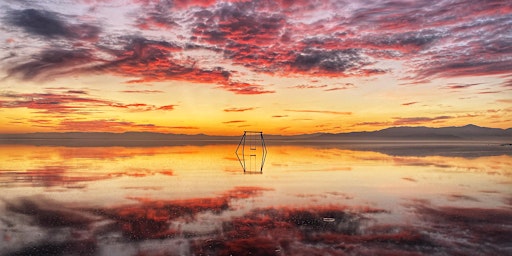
[
  {"x": 150, "y": 218},
  {"x": 166, "y": 107}
]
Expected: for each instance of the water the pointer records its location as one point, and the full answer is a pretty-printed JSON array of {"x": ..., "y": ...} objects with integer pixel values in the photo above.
[{"x": 309, "y": 200}]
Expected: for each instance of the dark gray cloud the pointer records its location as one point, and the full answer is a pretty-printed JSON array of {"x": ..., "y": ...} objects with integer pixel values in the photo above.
[
  {"x": 50, "y": 63},
  {"x": 39, "y": 22},
  {"x": 329, "y": 61},
  {"x": 49, "y": 24}
]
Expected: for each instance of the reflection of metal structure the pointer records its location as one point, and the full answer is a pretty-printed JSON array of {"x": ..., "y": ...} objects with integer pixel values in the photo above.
[{"x": 253, "y": 151}]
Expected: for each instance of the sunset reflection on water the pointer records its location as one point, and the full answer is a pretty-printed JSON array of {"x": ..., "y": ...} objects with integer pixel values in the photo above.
[{"x": 196, "y": 200}]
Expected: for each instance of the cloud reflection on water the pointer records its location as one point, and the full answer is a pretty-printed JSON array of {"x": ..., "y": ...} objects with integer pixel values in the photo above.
[
  {"x": 322, "y": 230},
  {"x": 309, "y": 201}
]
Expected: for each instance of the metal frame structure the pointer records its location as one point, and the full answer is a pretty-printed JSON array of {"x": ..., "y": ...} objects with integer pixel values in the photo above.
[{"x": 251, "y": 147}]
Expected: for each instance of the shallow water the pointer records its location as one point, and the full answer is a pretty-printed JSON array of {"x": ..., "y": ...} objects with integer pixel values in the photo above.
[{"x": 308, "y": 200}]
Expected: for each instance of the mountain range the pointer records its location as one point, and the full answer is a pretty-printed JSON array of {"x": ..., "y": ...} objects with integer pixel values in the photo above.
[
  {"x": 468, "y": 132},
  {"x": 462, "y": 133}
]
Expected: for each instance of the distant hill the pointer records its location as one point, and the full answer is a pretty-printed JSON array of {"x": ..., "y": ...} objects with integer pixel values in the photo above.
[
  {"x": 468, "y": 132},
  {"x": 463, "y": 133}
]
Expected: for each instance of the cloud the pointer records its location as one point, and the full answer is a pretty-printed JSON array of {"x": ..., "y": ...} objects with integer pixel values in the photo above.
[
  {"x": 52, "y": 63},
  {"x": 105, "y": 126},
  {"x": 245, "y": 88},
  {"x": 279, "y": 116},
  {"x": 238, "y": 23},
  {"x": 319, "y": 111},
  {"x": 38, "y": 22},
  {"x": 341, "y": 87},
  {"x": 183, "y": 127},
  {"x": 208, "y": 41},
  {"x": 409, "y": 103},
  {"x": 148, "y": 60},
  {"x": 70, "y": 102},
  {"x": 234, "y": 121},
  {"x": 166, "y": 107},
  {"x": 142, "y": 91},
  {"x": 330, "y": 61},
  {"x": 459, "y": 86},
  {"x": 308, "y": 86},
  {"x": 49, "y": 24},
  {"x": 238, "y": 109},
  {"x": 50, "y": 103},
  {"x": 507, "y": 83},
  {"x": 418, "y": 120},
  {"x": 77, "y": 92},
  {"x": 488, "y": 92},
  {"x": 465, "y": 66},
  {"x": 373, "y": 124}
]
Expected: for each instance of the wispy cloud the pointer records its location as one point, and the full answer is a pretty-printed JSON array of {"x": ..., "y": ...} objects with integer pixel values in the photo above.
[
  {"x": 245, "y": 88},
  {"x": 234, "y": 121},
  {"x": 459, "y": 86},
  {"x": 505, "y": 100},
  {"x": 76, "y": 102},
  {"x": 166, "y": 107},
  {"x": 302, "y": 86},
  {"x": 373, "y": 124},
  {"x": 419, "y": 120},
  {"x": 238, "y": 109},
  {"x": 409, "y": 103},
  {"x": 142, "y": 91},
  {"x": 319, "y": 111},
  {"x": 104, "y": 125}
]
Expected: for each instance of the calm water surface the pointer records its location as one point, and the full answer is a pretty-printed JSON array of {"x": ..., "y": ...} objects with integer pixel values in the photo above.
[{"x": 309, "y": 200}]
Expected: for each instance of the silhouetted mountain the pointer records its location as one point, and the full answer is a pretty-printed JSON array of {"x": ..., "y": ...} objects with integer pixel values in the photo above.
[
  {"x": 468, "y": 132},
  {"x": 464, "y": 133}
]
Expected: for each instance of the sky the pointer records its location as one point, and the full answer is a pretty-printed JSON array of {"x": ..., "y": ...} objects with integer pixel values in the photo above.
[{"x": 281, "y": 67}]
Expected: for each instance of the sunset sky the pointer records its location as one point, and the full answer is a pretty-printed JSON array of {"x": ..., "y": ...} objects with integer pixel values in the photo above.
[{"x": 282, "y": 67}]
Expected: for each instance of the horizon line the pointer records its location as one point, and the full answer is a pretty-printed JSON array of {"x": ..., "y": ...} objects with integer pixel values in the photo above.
[{"x": 241, "y": 132}]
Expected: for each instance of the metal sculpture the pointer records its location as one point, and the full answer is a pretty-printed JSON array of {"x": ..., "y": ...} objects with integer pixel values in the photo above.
[{"x": 252, "y": 150}]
